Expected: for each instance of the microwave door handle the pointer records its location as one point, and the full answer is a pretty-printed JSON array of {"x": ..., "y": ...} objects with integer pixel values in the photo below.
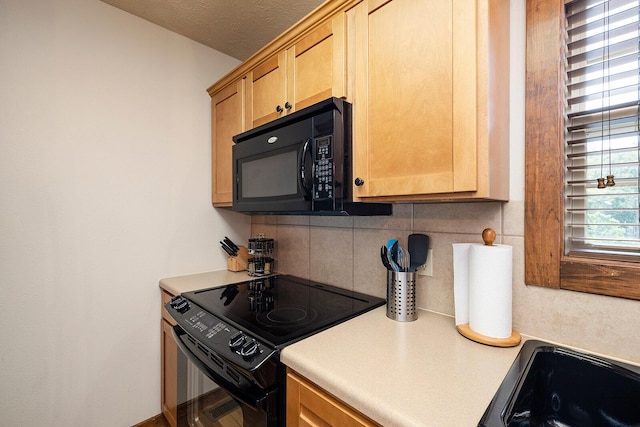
[{"x": 302, "y": 168}]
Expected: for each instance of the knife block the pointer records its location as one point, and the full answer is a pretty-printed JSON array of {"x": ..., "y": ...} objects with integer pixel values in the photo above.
[{"x": 239, "y": 262}]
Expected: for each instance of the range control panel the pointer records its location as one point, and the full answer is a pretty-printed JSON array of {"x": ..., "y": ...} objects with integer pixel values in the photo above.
[
  {"x": 323, "y": 176},
  {"x": 216, "y": 339}
]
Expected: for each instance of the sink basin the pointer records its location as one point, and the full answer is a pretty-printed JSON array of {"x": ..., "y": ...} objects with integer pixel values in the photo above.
[{"x": 549, "y": 385}]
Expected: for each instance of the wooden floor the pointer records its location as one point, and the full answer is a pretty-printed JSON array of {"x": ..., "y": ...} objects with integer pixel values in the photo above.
[{"x": 157, "y": 421}]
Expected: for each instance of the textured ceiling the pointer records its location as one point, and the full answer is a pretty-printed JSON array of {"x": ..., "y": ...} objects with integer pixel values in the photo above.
[{"x": 238, "y": 28}]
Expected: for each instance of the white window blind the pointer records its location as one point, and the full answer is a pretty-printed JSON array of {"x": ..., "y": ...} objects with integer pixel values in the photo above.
[{"x": 602, "y": 135}]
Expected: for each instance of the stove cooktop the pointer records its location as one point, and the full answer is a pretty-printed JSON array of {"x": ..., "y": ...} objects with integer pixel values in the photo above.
[{"x": 282, "y": 309}]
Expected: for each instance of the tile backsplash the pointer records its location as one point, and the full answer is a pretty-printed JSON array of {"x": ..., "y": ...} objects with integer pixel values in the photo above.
[{"x": 345, "y": 252}]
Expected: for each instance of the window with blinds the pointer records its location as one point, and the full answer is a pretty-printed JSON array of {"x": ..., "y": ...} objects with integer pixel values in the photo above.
[{"x": 602, "y": 197}]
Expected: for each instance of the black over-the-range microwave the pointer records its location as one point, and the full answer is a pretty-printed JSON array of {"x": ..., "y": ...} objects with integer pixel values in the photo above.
[{"x": 299, "y": 164}]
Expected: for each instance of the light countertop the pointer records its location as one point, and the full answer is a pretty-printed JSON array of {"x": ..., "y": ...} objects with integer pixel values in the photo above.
[
  {"x": 421, "y": 373},
  {"x": 193, "y": 282}
]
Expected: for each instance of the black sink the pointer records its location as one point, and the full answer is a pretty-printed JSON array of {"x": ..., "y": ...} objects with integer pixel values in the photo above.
[{"x": 549, "y": 385}]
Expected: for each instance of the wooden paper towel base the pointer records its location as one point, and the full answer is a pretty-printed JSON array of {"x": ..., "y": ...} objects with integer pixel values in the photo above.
[{"x": 467, "y": 332}]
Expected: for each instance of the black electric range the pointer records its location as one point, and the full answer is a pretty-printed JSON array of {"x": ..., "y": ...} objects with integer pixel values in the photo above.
[{"x": 235, "y": 333}]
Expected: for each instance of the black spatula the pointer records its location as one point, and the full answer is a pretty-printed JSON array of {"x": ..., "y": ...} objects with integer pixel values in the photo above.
[{"x": 418, "y": 250}]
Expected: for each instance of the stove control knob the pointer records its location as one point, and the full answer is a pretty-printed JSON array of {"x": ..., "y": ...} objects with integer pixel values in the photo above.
[
  {"x": 236, "y": 340},
  {"x": 180, "y": 304},
  {"x": 249, "y": 349}
]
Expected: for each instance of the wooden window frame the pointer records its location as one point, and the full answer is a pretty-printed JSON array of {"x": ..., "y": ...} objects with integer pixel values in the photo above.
[{"x": 545, "y": 262}]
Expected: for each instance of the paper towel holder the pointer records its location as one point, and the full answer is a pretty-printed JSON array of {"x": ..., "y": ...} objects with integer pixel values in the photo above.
[
  {"x": 469, "y": 333},
  {"x": 488, "y": 236}
]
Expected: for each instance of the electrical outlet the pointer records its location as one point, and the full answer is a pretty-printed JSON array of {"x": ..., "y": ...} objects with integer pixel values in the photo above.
[{"x": 427, "y": 268}]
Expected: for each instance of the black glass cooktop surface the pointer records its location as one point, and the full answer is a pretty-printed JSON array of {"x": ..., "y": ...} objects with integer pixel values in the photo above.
[{"x": 283, "y": 309}]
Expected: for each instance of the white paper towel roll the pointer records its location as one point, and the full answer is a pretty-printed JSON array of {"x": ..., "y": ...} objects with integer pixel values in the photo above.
[{"x": 482, "y": 288}]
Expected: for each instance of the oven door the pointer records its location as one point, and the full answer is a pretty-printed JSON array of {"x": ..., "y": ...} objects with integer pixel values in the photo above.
[{"x": 213, "y": 401}]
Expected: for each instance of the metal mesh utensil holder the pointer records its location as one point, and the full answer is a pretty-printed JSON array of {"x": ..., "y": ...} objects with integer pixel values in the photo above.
[{"x": 401, "y": 296}]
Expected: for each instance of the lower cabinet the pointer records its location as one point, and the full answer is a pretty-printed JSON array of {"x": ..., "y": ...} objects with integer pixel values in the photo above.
[
  {"x": 309, "y": 405},
  {"x": 169, "y": 366}
]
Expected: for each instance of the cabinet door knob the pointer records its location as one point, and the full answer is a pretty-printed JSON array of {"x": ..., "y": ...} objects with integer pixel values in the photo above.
[
  {"x": 287, "y": 105},
  {"x": 279, "y": 109},
  {"x": 359, "y": 182}
]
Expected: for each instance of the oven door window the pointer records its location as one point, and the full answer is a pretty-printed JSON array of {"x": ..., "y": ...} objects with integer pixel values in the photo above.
[
  {"x": 211, "y": 401},
  {"x": 209, "y": 405}
]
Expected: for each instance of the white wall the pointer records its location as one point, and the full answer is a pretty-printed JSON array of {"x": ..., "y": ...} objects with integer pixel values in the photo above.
[{"x": 104, "y": 189}]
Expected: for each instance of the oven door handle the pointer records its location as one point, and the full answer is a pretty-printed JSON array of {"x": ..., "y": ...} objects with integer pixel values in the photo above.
[{"x": 255, "y": 398}]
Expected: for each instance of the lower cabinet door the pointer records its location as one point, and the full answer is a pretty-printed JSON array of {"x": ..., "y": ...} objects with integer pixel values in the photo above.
[
  {"x": 310, "y": 406},
  {"x": 169, "y": 386}
]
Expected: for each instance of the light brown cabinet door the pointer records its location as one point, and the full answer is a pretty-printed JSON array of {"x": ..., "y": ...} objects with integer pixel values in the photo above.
[
  {"x": 310, "y": 406},
  {"x": 169, "y": 375},
  {"x": 227, "y": 120},
  {"x": 266, "y": 91},
  {"x": 310, "y": 70},
  {"x": 404, "y": 93},
  {"x": 426, "y": 76},
  {"x": 316, "y": 64}
]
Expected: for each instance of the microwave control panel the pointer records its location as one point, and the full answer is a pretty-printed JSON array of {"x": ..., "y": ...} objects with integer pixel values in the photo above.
[{"x": 323, "y": 179}]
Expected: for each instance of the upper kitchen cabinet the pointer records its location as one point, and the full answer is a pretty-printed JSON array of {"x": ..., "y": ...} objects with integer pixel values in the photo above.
[
  {"x": 227, "y": 120},
  {"x": 266, "y": 91},
  {"x": 309, "y": 70},
  {"x": 431, "y": 99}
]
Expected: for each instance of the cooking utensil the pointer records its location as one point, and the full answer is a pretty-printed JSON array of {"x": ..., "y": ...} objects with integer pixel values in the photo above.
[
  {"x": 404, "y": 258},
  {"x": 394, "y": 252},
  {"x": 418, "y": 250},
  {"x": 392, "y": 247},
  {"x": 392, "y": 263},
  {"x": 384, "y": 255}
]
